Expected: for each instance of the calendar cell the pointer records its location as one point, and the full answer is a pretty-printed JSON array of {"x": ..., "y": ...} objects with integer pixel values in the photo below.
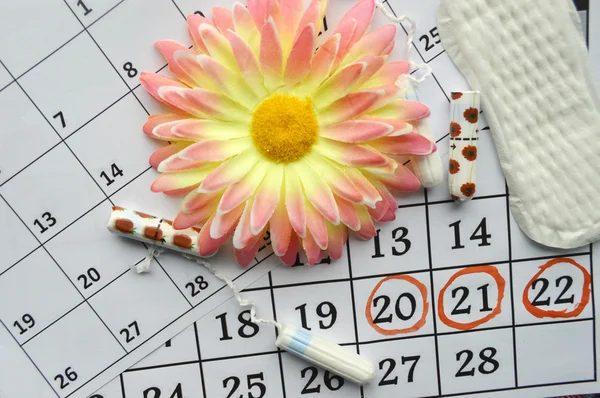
[
  {"x": 469, "y": 365},
  {"x": 473, "y": 234},
  {"x": 135, "y": 307},
  {"x": 228, "y": 331},
  {"x": 302, "y": 273},
  {"x": 263, "y": 282},
  {"x": 473, "y": 297},
  {"x": 88, "y": 11},
  {"x": 124, "y": 36},
  {"x": 110, "y": 390},
  {"x": 409, "y": 199},
  {"x": 91, "y": 257},
  {"x": 555, "y": 353},
  {"x": 15, "y": 240},
  {"x": 73, "y": 85},
  {"x": 25, "y": 135},
  {"x": 325, "y": 311},
  {"x": 449, "y": 79},
  {"x": 394, "y": 306},
  {"x": 62, "y": 193},
  {"x": 171, "y": 381},
  {"x": 62, "y": 351},
  {"x": 492, "y": 184},
  {"x": 399, "y": 246},
  {"x": 524, "y": 248},
  {"x": 195, "y": 281},
  {"x": 265, "y": 250},
  {"x": 258, "y": 375},
  {"x": 303, "y": 378},
  {"x": 33, "y": 30},
  {"x": 112, "y": 147},
  {"x": 151, "y": 105},
  {"x": 404, "y": 368},
  {"x": 33, "y": 294},
  {"x": 175, "y": 350},
  {"x": 552, "y": 290}
]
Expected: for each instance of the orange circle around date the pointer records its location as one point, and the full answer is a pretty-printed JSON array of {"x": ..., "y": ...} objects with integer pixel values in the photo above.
[
  {"x": 585, "y": 293},
  {"x": 417, "y": 325},
  {"x": 485, "y": 269}
]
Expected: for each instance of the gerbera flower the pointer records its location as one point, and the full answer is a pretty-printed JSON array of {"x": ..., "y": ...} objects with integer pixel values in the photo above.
[
  {"x": 471, "y": 115},
  {"x": 470, "y": 152},
  {"x": 454, "y": 166},
  {"x": 267, "y": 134},
  {"x": 455, "y": 129},
  {"x": 468, "y": 189},
  {"x": 456, "y": 95}
]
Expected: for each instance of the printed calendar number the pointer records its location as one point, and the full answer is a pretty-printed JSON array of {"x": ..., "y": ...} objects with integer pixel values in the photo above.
[
  {"x": 430, "y": 39},
  {"x": 326, "y": 311},
  {"x": 471, "y": 297},
  {"x": 331, "y": 381},
  {"x": 46, "y": 222},
  {"x": 298, "y": 263},
  {"x": 487, "y": 365},
  {"x": 96, "y": 396},
  {"x": 155, "y": 392},
  {"x": 398, "y": 304},
  {"x": 61, "y": 118},
  {"x": 560, "y": 289},
  {"x": 197, "y": 286},
  {"x": 247, "y": 329},
  {"x": 389, "y": 365},
  {"x": 480, "y": 234},
  {"x": 25, "y": 324},
  {"x": 84, "y": 8},
  {"x": 66, "y": 378},
  {"x": 89, "y": 278},
  {"x": 200, "y": 13},
  {"x": 254, "y": 386},
  {"x": 399, "y": 235},
  {"x": 115, "y": 171},
  {"x": 131, "y": 71},
  {"x": 130, "y": 332}
]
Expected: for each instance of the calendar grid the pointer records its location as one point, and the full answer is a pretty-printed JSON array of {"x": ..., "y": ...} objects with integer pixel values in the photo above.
[
  {"x": 197, "y": 341},
  {"x": 353, "y": 301},
  {"x": 432, "y": 294},
  {"x": 512, "y": 300},
  {"x": 273, "y": 308}
]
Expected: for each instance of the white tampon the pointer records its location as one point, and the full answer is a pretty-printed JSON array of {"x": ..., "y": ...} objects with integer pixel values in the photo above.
[
  {"x": 325, "y": 354},
  {"x": 464, "y": 118}
]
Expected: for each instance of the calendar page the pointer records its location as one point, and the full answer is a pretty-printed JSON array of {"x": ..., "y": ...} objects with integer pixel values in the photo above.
[{"x": 448, "y": 300}]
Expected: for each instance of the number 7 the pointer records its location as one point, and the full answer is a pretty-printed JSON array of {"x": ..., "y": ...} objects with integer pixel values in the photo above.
[
  {"x": 62, "y": 119},
  {"x": 411, "y": 372}
]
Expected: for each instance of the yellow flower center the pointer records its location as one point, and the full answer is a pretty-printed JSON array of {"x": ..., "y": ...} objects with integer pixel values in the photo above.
[{"x": 284, "y": 128}]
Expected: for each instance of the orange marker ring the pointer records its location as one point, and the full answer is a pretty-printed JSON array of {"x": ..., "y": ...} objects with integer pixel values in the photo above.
[
  {"x": 585, "y": 293},
  {"x": 392, "y": 332},
  {"x": 487, "y": 269}
]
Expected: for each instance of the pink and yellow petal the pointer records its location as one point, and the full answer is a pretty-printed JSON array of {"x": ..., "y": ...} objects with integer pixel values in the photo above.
[
  {"x": 349, "y": 107},
  {"x": 401, "y": 180},
  {"x": 367, "y": 227},
  {"x": 368, "y": 191},
  {"x": 207, "y": 246},
  {"x": 280, "y": 228},
  {"x": 166, "y": 151},
  {"x": 314, "y": 253},
  {"x": 243, "y": 235},
  {"x": 222, "y": 19},
  {"x": 216, "y": 105},
  {"x": 196, "y": 200},
  {"x": 338, "y": 85},
  {"x": 247, "y": 63},
  {"x": 271, "y": 56},
  {"x": 215, "y": 150},
  {"x": 388, "y": 74},
  {"x": 348, "y": 214},
  {"x": 186, "y": 220},
  {"x": 291, "y": 254},
  {"x": 402, "y": 109},
  {"x": 406, "y": 144},
  {"x": 239, "y": 192},
  {"x": 189, "y": 63},
  {"x": 375, "y": 43},
  {"x": 335, "y": 177},
  {"x": 180, "y": 179},
  {"x": 217, "y": 45},
  {"x": 228, "y": 82},
  {"x": 362, "y": 13},
  {"x": 199, "y": 129},
  {"x": 224, "y": 223},
  {"x": 318, "y": 193},
  {"x": 246, "y": 28},
  {"x": 193, "y": 22},
  {"x": 229, "y": 172},
  {"x": 300, "y": 58},
  {"x": 354, "y": 155},
  {"x": 353, "y": 131},
  {"x": 317, "y": 227},
  {"x": 294, "y": 201},
  {"x": 266, "y": 199},
  {"x": 337, "y": 240},
  {"x": 322, "y": 64}
]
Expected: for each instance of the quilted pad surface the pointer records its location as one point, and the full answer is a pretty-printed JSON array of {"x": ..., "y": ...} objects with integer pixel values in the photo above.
[{"x": 530, "y": 62}]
